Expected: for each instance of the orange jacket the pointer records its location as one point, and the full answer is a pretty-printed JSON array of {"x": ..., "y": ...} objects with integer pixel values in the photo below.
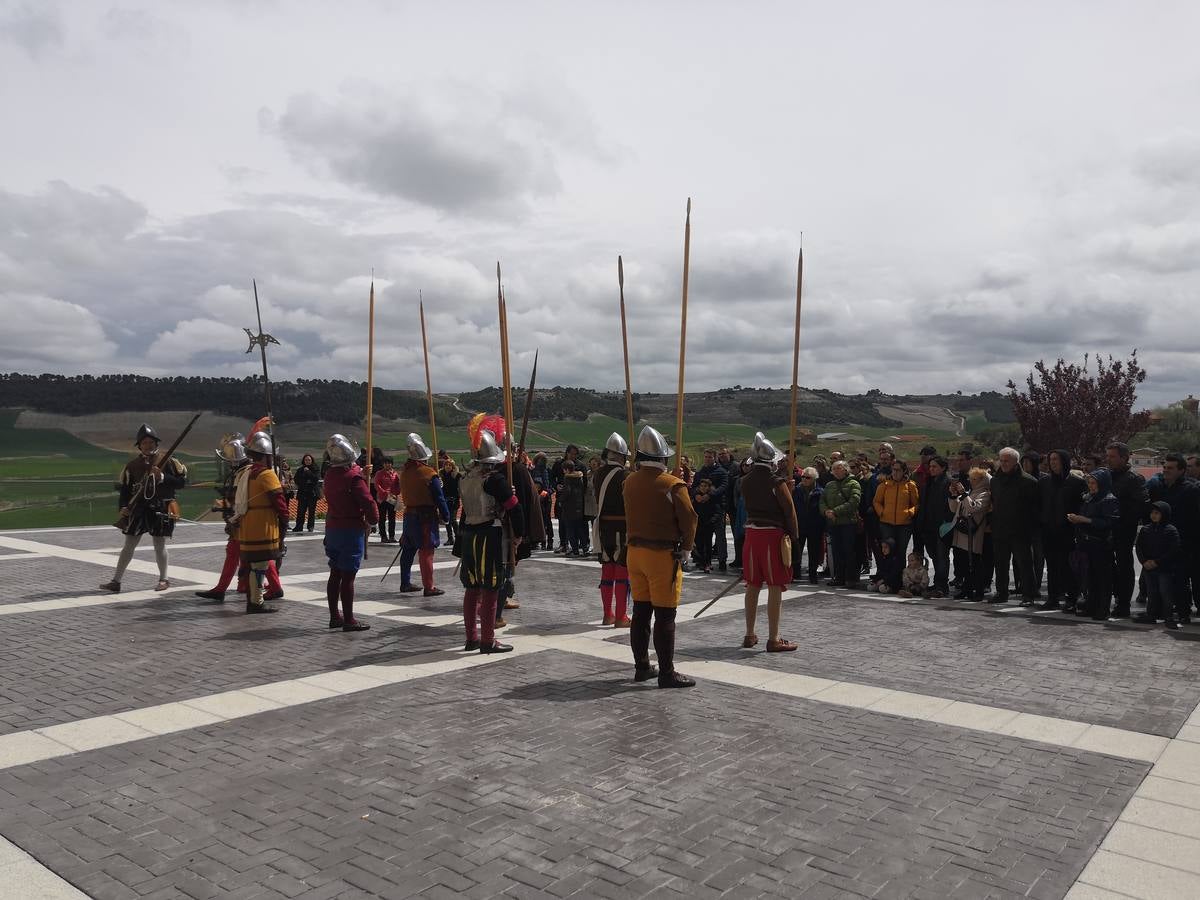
[{"x": 896, "y": 501}]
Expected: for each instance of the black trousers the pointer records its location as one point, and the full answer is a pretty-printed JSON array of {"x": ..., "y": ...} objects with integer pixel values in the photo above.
[
  {"x": 1018, "y": 550},
  {"x": 1060, "y": 579},
  {"x": 1099, "y": 578},
  {"x": 306, "y": 505},
  {"x": 548, "y": 521},
  {"x": 387, "y": 521},
  {"x": 1122, "y": 568}
]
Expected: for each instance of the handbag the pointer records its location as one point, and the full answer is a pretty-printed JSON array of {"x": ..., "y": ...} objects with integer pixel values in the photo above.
[{"x": 946, "y": 527}]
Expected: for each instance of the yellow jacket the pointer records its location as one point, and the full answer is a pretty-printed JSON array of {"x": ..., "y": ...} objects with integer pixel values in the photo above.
[{"x": 896, "y": 501}]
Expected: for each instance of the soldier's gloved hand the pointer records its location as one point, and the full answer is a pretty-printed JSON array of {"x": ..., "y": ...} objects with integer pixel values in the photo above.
[{"x": 679, "y": 556}]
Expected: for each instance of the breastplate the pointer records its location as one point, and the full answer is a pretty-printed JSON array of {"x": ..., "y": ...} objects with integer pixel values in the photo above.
[{"x": 479, "y": 507}]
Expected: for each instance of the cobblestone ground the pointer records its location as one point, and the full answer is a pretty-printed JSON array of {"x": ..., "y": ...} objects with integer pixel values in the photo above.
[{"x": 158, "y": 745}]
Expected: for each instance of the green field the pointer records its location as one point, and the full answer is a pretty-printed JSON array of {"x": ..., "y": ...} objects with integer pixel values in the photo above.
[{"x": 50, "y": 478}]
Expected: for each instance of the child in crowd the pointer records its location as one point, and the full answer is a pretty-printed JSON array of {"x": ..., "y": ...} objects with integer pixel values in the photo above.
[
  {"x": 889, "y": 575},
  {"x": 914, "y": 581},
  {"x": 1158, "y": 550},
  {"x": 705, "y": 525}
]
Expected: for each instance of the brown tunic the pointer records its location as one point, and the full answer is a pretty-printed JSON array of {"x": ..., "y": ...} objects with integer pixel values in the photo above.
[{"x": 768, "y": 501}]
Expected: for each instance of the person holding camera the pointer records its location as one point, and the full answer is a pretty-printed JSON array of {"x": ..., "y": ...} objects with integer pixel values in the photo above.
[{"x": 970, "y": 509}]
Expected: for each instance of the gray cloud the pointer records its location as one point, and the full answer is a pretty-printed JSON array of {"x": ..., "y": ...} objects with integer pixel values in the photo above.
[
  {"x": 36, "y": 28},
  {"x": 460, "y": 151}
]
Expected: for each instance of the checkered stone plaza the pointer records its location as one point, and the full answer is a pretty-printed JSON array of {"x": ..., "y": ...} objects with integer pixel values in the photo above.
[{"x": 157, "y": 745}]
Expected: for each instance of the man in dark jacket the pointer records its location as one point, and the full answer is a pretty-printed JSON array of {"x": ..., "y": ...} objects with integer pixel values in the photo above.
[
  {"x": 719, "y": 477},
  {"x": 1060, "y": 493},
  {"x": 571, "y": 455},
  {"x": 733, "y": 471},
  {"x": 1014, "y": 514},
  {"x": 1183, "y": 495},
  {"x": 932, "y": 511},
  {"x": 1130, "y": 490}
]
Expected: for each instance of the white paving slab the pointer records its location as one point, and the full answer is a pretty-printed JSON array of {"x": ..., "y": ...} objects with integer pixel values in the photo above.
[
  {"x": 94, "y": 733},
  {"x": 168, "y": 718},
  {"x": 1139, "y": 878}
]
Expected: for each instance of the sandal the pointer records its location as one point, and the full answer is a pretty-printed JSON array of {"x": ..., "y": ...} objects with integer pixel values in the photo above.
[
  {"x": 779, "y": 645},
  {"x": 749, "y": 641},
  {"x": 162, "y": 585}
]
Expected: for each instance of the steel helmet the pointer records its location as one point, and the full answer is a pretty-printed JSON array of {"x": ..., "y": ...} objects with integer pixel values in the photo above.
[
  {"x": 146, "y": 432},
  {"x": 261, "y": 442},
  {"x": 340, "y": 451},
  {"x": 417, "y": 448},
  {"x": 651, "y": 443},
  {"x": 616, "y": 444},
  {"x": 232, "y": 449},
  {"x": 488, "y": 450},
  {"x": 764, "y": 451}
]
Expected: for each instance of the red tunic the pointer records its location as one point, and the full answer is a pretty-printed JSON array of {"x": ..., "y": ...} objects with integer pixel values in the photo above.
[{"x": 350, "y": 503}]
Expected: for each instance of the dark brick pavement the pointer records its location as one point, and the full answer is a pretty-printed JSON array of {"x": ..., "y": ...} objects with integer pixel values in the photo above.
[
  {"x": 1137, "y": 679},
  {"x": 73, "y": 664},
  {"x": 552, "y": 776}
]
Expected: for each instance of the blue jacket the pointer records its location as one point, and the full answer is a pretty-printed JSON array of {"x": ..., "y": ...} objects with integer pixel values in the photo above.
[
  {"x": 808, "y": 511},
  {"x": 1103, "y": 510},
  {"x": 1160, "y": 542}
]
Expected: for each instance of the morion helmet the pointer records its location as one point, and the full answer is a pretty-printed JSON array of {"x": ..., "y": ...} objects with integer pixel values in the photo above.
[
  {"x": 232, "y": 449},
  {"x": 417, "y": 448},
  {"x": 261, "y": 442},
  {"x": 488, "y": 450},
  {"x": 340, "y": 451},
  {"x": 616, "y": 445},
  {"x": 764, "y": 451},
  {"x": 651, "y": 443},
  {"x": 146, "y": 432}
]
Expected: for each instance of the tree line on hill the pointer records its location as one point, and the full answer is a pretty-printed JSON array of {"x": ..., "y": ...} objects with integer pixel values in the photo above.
[{"x": 303, "y": 400}]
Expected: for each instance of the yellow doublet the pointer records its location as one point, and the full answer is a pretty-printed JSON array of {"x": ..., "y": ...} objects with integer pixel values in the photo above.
[
  {"x": 660, "y": 518},
  {"x": 258, "y": 530}
]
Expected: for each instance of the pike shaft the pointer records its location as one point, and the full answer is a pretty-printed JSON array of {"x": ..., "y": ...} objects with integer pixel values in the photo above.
[
  {"x": 796, "y": 363},
  {"x": 687, "y": 251}
]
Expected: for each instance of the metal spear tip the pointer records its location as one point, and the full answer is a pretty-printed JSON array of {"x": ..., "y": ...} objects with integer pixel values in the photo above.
[
  {"x": 689, "y": 207},
  {"x": 620, "y": 271}
]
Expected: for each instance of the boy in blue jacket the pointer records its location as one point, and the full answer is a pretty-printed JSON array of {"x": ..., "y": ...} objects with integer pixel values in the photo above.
[{"x": 1158, "y": 550}]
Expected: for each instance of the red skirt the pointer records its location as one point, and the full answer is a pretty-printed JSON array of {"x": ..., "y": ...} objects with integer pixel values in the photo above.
[{"x": 762, "y": 558}]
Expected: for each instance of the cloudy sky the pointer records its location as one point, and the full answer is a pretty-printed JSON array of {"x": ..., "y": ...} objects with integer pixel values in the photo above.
[{"x": 979, "y": 185}]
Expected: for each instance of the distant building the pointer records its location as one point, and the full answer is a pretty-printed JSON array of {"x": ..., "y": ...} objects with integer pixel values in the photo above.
[{"x": 1145, "y": 456}]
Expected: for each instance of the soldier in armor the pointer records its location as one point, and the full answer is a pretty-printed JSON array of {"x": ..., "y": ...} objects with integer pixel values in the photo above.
[
  {"x": 424, "y": 509},
  {"x": 609, "y": 531},
  {"x": 767, "y": 548},
  {"x": 487, "y": 498},
  {"x": 535, "y": 532},
  {"x": 231, "y": 456},
  {"x": 147, "y": 505},
  {"x": 661, "y": 525},
  {"x": 260, "y": 517},
  {"x": 351, "y": 513}
]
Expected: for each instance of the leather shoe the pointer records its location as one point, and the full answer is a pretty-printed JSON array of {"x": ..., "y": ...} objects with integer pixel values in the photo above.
[
  {"x": 470, "y": 646},
  {"x": 337, "y": 623},
  {"x": 356, "y": 626},
  {"x": 219, "y": 596},
  {"x": 434, "y": 592},
  {"x": 260, "y": 610},
  {"x": 675, "y": 680},
  {"x": 640, "y": 674},
  {"x": 408, "y": 588},
  {"x": 496, "y": 647}
]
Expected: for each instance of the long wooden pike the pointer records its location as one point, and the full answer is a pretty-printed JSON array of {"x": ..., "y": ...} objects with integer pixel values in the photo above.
[
  {"x": 428, "y": 382},
  {"x": 528, "y": 405},
  {"x": 625, "y": 350},
  {"x": 506, "y": 384},
  {"x": 796, "y": 359},
  {"x": 370, "y": 395},
  {"x": 687, "y": 252}
]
